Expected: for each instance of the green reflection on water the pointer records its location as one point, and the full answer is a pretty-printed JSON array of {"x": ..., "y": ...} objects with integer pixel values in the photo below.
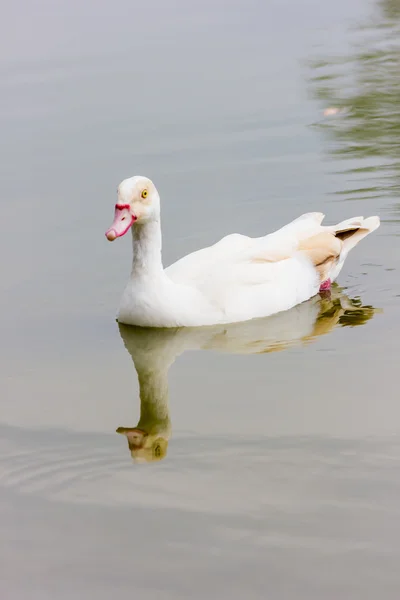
[{"x": 360, "y": 96}]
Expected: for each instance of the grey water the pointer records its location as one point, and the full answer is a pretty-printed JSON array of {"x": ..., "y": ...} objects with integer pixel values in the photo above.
[{"x": 259, "y": 460}]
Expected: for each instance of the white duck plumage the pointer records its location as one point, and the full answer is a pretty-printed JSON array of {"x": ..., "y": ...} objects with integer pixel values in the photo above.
[{"x": 237, "y": 279}]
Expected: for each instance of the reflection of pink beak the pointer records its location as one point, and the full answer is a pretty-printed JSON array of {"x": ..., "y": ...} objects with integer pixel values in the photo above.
[{"x": 123, "y": 220}]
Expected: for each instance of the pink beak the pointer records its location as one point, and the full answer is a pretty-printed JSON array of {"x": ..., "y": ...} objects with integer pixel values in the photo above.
[{"x": 123, "y": 220}]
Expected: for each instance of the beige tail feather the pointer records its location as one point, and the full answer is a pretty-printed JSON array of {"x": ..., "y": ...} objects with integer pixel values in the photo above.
[
  {"x": 354, "y": 230},
  {"x": 328, "y": 249},
  {"x": 348, "y": 224}
]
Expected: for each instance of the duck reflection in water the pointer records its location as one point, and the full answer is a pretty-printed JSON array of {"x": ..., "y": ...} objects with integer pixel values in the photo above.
[{"x": 153, "y": 351}]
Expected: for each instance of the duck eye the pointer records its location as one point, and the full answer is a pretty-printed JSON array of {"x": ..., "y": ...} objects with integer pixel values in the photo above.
[{"x": 145, "y": 194}]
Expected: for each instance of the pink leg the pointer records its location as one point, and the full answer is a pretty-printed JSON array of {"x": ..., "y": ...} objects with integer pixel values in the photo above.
[{"x": 325, "y": 285}]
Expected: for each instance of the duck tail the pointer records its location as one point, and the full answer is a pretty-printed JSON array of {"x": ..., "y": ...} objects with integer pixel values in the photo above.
[{"x": 352, "y": 231}]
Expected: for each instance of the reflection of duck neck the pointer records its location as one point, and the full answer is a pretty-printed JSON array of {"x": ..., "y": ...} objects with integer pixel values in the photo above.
[{"x": 154, "y": 410}]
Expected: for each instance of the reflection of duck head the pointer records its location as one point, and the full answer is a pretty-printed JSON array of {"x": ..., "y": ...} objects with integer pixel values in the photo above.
[
  {"x": 144, "y": 446},
  {"x": 154, "y": 350}
]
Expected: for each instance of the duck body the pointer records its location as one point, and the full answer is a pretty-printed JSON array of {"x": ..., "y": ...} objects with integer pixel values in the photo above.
[{"x": 237, "y": 279}]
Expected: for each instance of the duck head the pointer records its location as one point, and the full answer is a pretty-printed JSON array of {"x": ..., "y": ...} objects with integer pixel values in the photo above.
[{"x": 138, "y": 202}]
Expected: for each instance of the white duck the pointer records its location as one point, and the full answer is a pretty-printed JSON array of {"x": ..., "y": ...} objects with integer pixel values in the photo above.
[{"x": 237, "y": 279}]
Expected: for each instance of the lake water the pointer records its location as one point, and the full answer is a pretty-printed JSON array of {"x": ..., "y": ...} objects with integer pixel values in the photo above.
[{"x": 263, "y": 459}]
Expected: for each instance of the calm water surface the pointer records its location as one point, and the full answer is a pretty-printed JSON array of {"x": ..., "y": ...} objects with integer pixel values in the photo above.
[{"x": 260, "y": 460}]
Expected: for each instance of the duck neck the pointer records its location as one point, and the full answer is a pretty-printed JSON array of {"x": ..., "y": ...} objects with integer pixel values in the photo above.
[{"x": 147, "y": 249}]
